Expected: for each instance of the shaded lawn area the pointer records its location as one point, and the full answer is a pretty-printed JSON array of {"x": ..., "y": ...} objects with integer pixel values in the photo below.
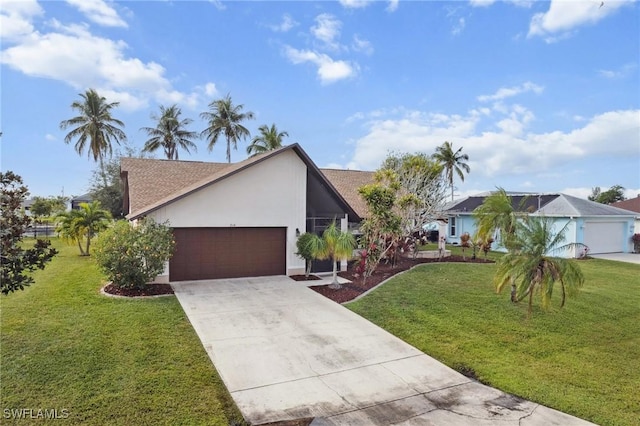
[
  {"x": 583, "y": 359},
  {"x": 104, "y": 360}
]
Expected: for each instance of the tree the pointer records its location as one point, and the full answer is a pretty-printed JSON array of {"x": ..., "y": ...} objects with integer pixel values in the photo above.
[
  {"x": 531, "y": 266},
  {"x": 304, "y": 250},
  {"x": 268, "y": 140},
  {"x": 452, "y": 162},
  {"x": 43, "y": 208},
  {"x": 496, "y": 215},
  {"x": 132, "y": 256},
  {"x": 225, "y": 118},
  {"x": 83, "y": 224},
  {"x": 17, "y": 261},
  {"x": 612, "y": 195},
  {"x": 106, "y": 187},
  {"x": 170, "y": 133},
  {"x": 95, "y": 127},
  {"x": 335, "y": 245}
]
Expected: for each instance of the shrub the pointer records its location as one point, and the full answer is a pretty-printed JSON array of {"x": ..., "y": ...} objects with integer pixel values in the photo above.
[
  {"x": 305, "y": 251},
  {"x": 131, "y": 256}
]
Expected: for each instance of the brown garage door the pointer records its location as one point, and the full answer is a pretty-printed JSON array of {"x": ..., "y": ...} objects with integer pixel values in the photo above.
[{"x": 208, "y": 253}]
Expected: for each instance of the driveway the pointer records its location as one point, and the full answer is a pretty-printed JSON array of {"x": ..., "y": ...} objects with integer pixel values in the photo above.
[
  {"x": 620, "y": 257},
  {"x": 286, "y": 352}
]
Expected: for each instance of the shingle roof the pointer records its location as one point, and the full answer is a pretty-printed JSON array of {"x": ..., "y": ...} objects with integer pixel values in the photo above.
[
  {"x": 632, "y": 204},
  {"x": 347, "y": 183},
  {"x": 153, "y": 183},
  {"x": 519, "y": 201}
]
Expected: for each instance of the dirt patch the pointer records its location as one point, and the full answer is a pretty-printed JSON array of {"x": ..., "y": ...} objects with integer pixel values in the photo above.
[
  {"x": 151, "y": 289},
  {"x": 304, "y": 278},
  {"x": 358, "y": 285}
]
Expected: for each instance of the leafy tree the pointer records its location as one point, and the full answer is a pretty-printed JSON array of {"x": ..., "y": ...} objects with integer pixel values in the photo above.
[
  {"x": 106, "y": 187},
  {"x": 132, "y": 256},
  {"x": 304, "y": 251},
  {"x": 225, "y": 118},
  {"x": 16, "y": 261},
  {"x": 612, "y": 195},
  {"x": 83, "y": 224},
  {"x": 170, "y": 133},
  {"x": 43, "y": 208},
  {"x": 269, "y": 139},
  {"x": 94, "y": 128},
  {"x": 531, "y": 266},
  {"x": 452, "y": 162},
  {"x": 335, "y": 245}
]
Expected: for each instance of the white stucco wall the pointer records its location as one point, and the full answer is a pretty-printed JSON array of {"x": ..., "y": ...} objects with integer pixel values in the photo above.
[{"x": 271, "y": 193}]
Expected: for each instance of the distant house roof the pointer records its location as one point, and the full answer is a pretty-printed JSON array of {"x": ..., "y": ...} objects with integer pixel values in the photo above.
[
  {"x": 542, "y": 204},
  {"x": 632, "y": 204},
  {"x": 150, "y": 184}
]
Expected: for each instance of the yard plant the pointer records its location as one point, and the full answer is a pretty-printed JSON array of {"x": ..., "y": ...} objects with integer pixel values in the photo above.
[
  {"x": 583, "y": 359},
  {"x": 106, "y": 361}
]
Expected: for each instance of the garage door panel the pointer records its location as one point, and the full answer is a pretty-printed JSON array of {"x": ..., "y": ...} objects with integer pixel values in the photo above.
[
  {"x": 604, "y": 237},
  {"x": 209, "y": 253}
]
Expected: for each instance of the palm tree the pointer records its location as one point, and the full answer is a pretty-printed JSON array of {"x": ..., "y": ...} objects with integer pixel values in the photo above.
[
  {"x": 225, "y": 118},
  {"x": 532, "y": 267},
  {"x": 497, "y": 215},
  {"x": 268, "y": 140},
  {"x": 94, "y": 125},
  {"x": 452, "y": 161},
  {"x": 83, "y": 224},
  {"x": 334, "y": 244},
  {"x": 170, "y": 133}
]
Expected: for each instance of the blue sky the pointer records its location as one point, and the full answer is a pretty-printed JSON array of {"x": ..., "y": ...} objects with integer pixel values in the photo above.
[{"x": 542, "y": 96}]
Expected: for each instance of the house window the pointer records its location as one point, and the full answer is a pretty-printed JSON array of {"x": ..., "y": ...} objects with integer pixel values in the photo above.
[{"x": 452, "y": 226}]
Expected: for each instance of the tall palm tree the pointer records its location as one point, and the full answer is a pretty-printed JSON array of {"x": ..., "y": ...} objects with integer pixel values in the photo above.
[
  {"x": 94, "y": 127},
  {"x": 497, "y": 215},
  {"x": 268, "y": 140},
  {"x": 531, "y": 264},
  {"x": 170, "y": 133},
  {"x": 452, "y": 161},
  {"x": 83, "y": 224},
  {"x": 334, "y": 244},
  {"x": 225, "y": 118}
]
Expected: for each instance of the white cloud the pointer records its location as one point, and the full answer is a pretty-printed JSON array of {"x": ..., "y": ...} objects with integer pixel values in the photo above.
[
  {"x": 459, "y": 27},
  {"x": 327, "y": 29},
  {"x": 563, "y": 17},
  {"x": 16, "y": 18},
  {"x": 481, "y": 3},
  {"x": 50, "y": 137},
  {"x": 355, "y": 4},
  {"x": 218, "y": 4},
  {"x": 329, "y": 70},
  {"x": 70, "y": 53},
  {"x": 99, "y": 12},
  {"x": 287, "y": 24},
  {"x": 507, "y": 92},
  {"x": 508, "y": 148},
  {"x": 362, "y": 45},
  {"x": 621, "y": 72},
  {"x": 393, "y": 5}
]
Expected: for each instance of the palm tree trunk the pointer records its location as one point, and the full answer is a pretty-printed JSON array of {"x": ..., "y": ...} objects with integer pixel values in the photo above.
[
  {"x": 335, "y": 284},
  {"x": 80, "y": 247},
  {"x": 103, "y": 172}
]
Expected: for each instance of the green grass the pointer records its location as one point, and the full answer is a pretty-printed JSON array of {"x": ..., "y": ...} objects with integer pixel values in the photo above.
[
  {"x": 105, "y": 361},
  {"x": 583, "y": 359}
]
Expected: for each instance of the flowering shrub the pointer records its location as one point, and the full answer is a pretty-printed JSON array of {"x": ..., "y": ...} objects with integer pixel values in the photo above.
[
  {"x": 131, "y": 256},
  {"x": 636, "y": 242}
]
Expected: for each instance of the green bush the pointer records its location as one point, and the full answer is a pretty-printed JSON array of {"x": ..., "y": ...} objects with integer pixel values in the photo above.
[{"x": 131, "y": 256}]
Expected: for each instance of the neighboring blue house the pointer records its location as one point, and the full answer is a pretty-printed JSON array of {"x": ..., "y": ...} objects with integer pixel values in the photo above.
[{"x": 602, "y": 228}]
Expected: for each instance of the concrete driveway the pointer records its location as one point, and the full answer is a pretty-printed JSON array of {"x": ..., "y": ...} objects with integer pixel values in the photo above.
[
  {"x": 286, "y": 352},
  {"x": 620, "y": 257}
]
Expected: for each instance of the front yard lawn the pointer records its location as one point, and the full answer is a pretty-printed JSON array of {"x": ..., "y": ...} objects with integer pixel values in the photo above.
[
  {"x": 100, "y": 360},
  {"x": 583, "y": 359}
]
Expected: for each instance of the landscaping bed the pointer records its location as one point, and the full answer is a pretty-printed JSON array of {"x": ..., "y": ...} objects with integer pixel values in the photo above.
[
  {"x": 151, "y": 289},
  {"x": 384, "y": 271}
]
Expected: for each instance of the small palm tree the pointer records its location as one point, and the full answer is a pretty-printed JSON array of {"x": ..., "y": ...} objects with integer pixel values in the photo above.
[
  {"x": 170, "y": 133},
  {"x": 452, "y": 161},
  {"x": 268, "y": 140},
  {"x": 83, "y": 224},
  {"x": 94, "y": 127},
  {"x": 530, "y": 263},
  {"x": 225, "y": 118},
  {"x": 334, "y": 244}
]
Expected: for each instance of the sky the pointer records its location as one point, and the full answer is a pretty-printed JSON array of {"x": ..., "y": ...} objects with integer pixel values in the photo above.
[{"x": 542, "y": 96}]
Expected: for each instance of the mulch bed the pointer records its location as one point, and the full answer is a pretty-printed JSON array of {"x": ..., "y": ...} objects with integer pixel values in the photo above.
[
  {"x": 358, "y": 286},
  {"x": 304, "y": 278},
  {"x": 152, "y": 289}
]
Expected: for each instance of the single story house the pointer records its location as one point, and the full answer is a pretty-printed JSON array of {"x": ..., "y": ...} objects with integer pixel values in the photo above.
[
  {"x": 241, "y": 219},
  {"x": 602, "y": 228},
  {"x": 632, "y": 204},
  {"x": 76, "y": 201}
]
